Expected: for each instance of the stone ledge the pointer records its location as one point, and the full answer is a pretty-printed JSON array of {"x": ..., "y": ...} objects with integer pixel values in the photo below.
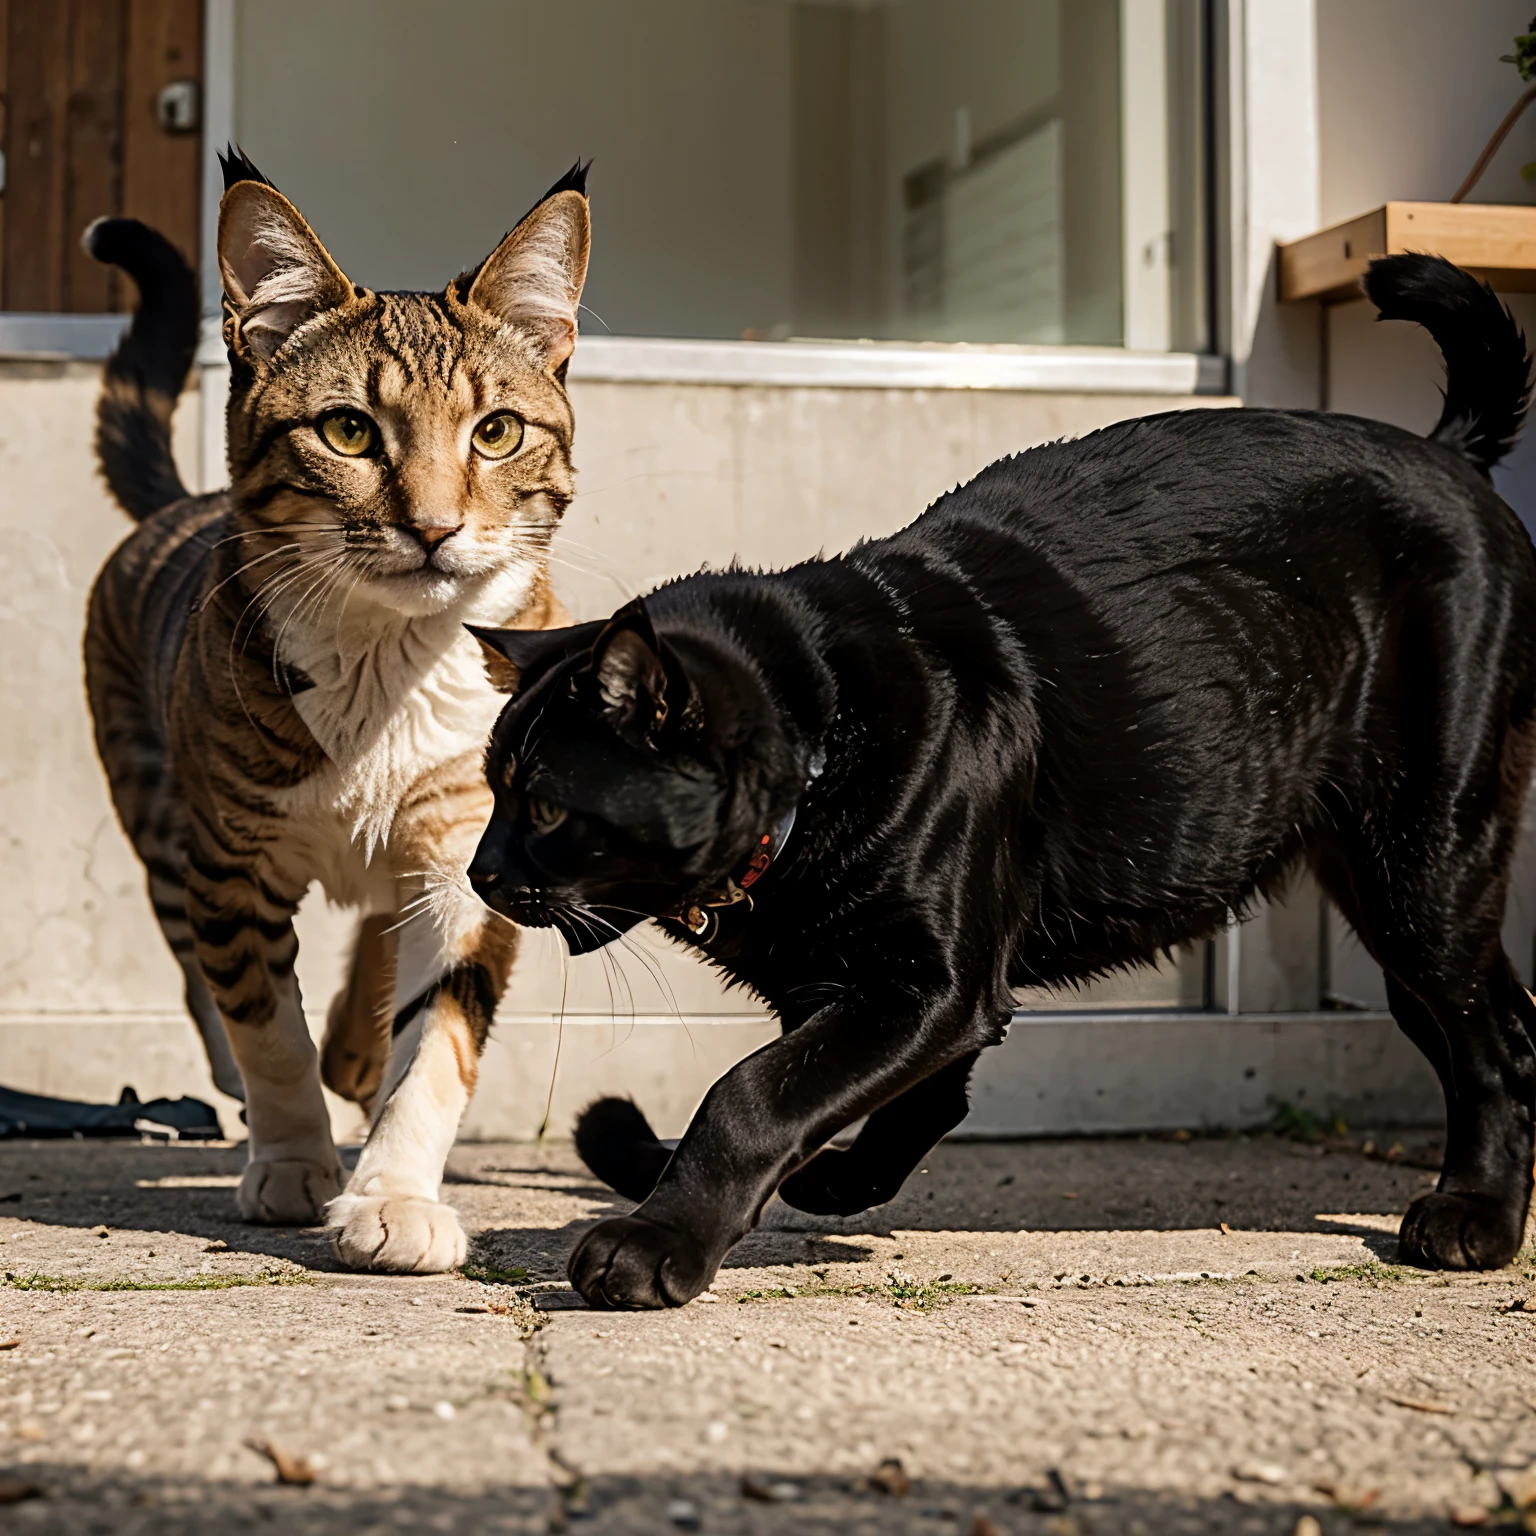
[
  {"x": 1066, "y": 1074},
  {"x": 1058, "y": 1074}
]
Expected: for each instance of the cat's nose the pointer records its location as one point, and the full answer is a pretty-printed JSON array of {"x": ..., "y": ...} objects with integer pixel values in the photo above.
[{"x": 433, "y": 534}]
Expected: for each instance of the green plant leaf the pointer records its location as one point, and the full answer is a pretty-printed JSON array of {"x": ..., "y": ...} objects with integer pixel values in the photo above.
[{"x": 1524, "y": 56}]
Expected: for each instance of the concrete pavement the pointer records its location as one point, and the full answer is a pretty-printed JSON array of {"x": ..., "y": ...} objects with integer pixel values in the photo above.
[{"x": 1054, "y": 1337}]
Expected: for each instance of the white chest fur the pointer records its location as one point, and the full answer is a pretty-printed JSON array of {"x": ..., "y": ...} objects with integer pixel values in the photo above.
[{"x": 393, "y": 698}]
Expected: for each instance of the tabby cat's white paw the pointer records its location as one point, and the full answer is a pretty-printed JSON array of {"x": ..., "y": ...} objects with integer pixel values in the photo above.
[
  {"x": 289, "y": 1193},
  {"x": 401, "y": 1234}
]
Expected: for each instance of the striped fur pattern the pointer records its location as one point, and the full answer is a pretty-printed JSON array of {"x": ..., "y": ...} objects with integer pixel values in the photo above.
[{"x": 284, "y": 692}]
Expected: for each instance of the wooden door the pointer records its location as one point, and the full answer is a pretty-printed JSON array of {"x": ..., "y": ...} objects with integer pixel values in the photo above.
[{"x": 100, "y": 113}]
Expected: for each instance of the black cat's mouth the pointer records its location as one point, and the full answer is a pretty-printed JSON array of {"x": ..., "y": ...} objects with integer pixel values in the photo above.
[{"x": 584, "y": 927}]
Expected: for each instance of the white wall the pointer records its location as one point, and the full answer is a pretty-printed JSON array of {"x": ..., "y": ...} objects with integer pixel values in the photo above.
[
  {"x": 1273, "y": 173},
  {"x": 1408, "y": 93}
]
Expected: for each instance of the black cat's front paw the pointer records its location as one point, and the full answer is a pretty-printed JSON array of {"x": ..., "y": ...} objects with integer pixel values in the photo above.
[
  {"x": 835, "y": 1183},
  {"x": 629, "y": 1263},
  {"x": 1461, "y": 1231}
]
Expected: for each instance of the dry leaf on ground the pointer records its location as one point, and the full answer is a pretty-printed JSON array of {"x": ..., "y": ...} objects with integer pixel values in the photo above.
[
  {"x": 891, "y": 1477},
  {"x": 1348, "y": 1498},
  {"x": 296, "y": 1470},
  {"x": 1520, "y": 1488},
  {"x": 14, "y": 1489},
  {"x": 763, "y": 1492}
]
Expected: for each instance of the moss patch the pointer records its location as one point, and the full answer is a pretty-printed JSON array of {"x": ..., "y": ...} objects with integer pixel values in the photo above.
[
  {"x": 1373, "y": 1271},
  {"x": 900, "y": 1290},
  {"x": 491, "y": 1274},
  {"x": 189, "y": 1283}
]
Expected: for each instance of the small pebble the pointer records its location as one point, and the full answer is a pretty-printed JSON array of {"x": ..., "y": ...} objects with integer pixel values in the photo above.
[
  {"x": 684, "y": 1514},
  {"x": 1260, "y": 1472},
  {"x": 444, "y": 1410}
]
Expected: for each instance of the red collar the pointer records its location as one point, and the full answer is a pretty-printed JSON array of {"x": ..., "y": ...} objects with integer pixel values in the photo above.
[{"x": 702, "y": 917}]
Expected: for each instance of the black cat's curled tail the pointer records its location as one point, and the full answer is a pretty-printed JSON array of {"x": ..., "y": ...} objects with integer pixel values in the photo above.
[
  {"x": 617, "y": 1143},
  {"x": 1487, "y": 365},
  {"x": 146, "y": 371}
]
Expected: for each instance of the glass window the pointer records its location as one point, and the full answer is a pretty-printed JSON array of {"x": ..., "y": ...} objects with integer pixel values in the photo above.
[{"x": 928, "y": 170}]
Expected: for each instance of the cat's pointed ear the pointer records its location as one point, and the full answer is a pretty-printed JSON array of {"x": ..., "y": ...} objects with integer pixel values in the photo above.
[
  {"x": 276, "y": 273},
  {"x": 533, "y": 279},
  {"x": 630, "y": 673},
  {"x": 511, "y": 652}
]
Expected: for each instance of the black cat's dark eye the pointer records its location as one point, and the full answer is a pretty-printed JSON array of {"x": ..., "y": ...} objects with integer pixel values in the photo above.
[
  {"x": 498, "y": 436},
  {"x": 544, "y": 815},
  {"x": 349, "y": 433}
]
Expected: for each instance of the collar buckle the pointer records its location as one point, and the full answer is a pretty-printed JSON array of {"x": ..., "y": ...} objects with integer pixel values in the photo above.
[{"x": 702, "y": 918}]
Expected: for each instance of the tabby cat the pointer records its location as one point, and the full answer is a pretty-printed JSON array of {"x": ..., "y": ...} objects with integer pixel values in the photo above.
[{"x": 282, "y": 686}]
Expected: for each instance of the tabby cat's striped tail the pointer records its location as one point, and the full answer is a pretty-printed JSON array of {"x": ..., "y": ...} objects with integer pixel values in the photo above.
[{"x": 146, "y": 372}]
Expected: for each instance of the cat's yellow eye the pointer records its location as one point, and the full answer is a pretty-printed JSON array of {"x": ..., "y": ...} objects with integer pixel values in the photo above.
[
  {"x": 349, "y": 433},
  {"x": 498, "y": 435},
  {"x": 544, "y": 815}
]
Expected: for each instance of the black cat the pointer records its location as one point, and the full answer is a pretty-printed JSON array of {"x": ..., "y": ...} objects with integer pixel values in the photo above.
[{"x": 1081, "y": 710}]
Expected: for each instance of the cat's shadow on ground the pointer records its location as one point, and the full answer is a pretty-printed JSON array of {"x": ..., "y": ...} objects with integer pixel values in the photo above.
[{"x": 1041, "y": 1187}]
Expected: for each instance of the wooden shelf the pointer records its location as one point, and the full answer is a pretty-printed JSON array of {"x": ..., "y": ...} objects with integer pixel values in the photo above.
[{"x": 1495, "y": 241}]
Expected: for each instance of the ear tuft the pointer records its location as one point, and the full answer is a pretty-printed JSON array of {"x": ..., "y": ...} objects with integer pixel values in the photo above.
[
  {"x": 277, "y": 275},
  {"x": 574, "y": 180},
  {"x": 534, "y": 278},
  {"x": 236, "y": 166}
]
